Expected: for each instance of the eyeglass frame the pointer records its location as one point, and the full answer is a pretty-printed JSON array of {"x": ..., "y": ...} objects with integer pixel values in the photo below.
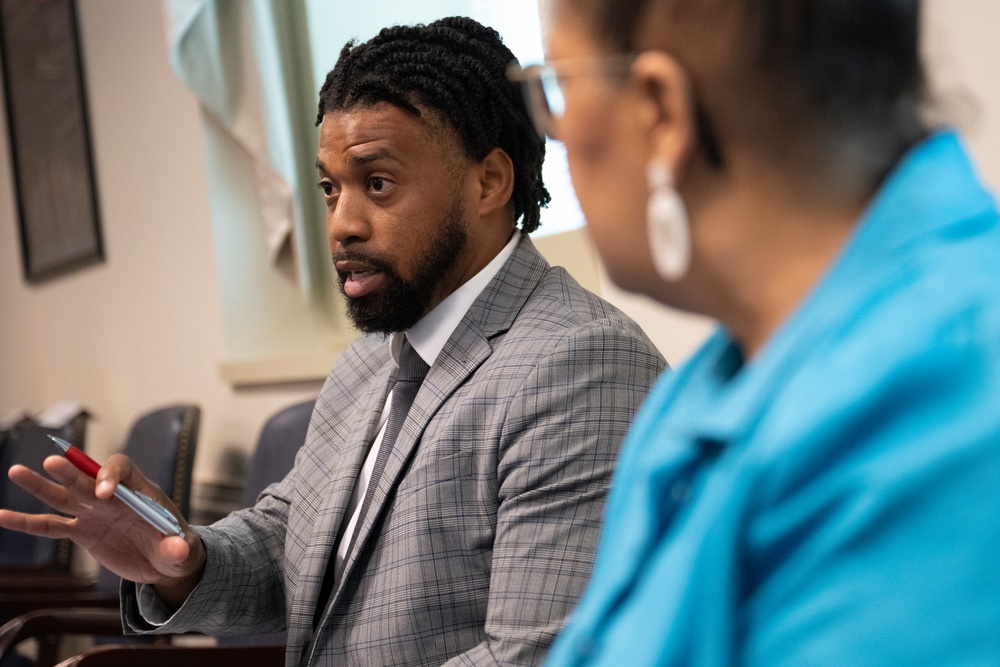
[{"x": 542, "y": 91}]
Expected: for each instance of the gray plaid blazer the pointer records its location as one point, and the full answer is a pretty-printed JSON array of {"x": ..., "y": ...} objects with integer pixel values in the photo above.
[{"x": 483, "y": 527}]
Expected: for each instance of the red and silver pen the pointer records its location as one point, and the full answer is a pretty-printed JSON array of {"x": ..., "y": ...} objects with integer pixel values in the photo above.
[{"x": 151, "y": 511}]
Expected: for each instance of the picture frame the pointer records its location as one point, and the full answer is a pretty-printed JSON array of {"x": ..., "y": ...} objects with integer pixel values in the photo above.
[{"x": 49, "y": 137}]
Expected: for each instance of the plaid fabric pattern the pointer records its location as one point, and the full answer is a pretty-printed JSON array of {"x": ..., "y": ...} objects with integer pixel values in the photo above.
[{"x": 483, "y": 526}]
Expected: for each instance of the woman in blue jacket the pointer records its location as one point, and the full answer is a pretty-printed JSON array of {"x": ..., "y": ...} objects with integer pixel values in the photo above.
[{"x": 820, "y": 483}]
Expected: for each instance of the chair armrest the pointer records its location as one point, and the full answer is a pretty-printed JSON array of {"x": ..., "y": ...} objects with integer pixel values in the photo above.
[
  {"x": 15, "y": 605},
  {"x": 19, "y": 580},
  {"x": 172, "y": 656},
  {"x": 80, "y": 621}
]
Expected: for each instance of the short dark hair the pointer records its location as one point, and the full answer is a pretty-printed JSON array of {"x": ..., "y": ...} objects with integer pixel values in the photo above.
[
  {"x": 457, "y": 68},
  {"x": 853, "y": 65}
]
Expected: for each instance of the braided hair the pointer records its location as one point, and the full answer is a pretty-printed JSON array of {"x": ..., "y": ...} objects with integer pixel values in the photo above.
[{"x": 458, "y": 68}]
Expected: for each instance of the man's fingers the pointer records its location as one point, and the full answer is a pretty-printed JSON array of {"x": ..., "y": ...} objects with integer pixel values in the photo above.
[
  {"x": 118, "y": 469},
  {"x": 57, "y": 496},
  {"x": 40, "y": 525},
  {"x": 174, "y": 551},
  {"x": 67, "y": 474}
]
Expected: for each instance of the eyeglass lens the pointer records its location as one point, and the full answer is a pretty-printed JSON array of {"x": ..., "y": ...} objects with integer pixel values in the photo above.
[{"x": 547, "y": 102}]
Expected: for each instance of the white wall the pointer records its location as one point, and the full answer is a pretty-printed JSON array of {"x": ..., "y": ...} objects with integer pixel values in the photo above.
[
  {"x": 146, "y": 327},
  {"x": 962, "y": 50}
]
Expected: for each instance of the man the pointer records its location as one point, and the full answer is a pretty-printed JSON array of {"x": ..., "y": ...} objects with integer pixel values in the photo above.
[{"x": 460, "y": 528}]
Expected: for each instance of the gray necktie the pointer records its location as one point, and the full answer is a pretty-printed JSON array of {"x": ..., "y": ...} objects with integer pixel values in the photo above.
[
  {"x": 405, "y": 385},
  {"x": 409, "y": 376}
]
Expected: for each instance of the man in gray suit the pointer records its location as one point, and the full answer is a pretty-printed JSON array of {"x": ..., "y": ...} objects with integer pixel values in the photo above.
[{"x": 446, "y": 505}]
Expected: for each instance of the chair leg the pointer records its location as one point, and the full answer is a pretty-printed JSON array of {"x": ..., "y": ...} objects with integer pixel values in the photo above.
[
  {"x": 48, "y": 651},
  {"x": 15, "y": 660}
]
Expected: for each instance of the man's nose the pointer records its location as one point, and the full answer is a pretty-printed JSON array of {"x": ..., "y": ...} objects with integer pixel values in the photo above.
[{"x": 347, "y": 222}]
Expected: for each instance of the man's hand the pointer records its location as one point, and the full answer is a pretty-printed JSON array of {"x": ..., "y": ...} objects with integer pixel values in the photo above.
[{"x": 112, "y": 533}]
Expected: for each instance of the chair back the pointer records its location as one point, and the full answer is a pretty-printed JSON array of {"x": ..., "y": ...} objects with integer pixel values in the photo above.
[
  {"x": 283, "y": 435},
  {"x": 162, "y": 444},
  {"x": 28, "y": 443}
]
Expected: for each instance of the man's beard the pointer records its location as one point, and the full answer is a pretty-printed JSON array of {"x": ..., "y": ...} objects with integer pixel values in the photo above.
[{"x": 399, "y": 304}]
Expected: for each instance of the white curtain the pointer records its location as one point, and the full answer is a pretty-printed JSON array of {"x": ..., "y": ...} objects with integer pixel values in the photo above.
[{"x": 249, "y": 65}]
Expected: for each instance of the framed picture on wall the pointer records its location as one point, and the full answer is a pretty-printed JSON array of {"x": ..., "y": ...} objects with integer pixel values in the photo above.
[{"x": 49, "y": 134}]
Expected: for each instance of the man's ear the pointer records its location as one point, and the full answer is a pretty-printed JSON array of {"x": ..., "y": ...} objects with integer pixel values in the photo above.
[
  {"x": 667, "y": 107},
  {"x": 496, "y": 181}
]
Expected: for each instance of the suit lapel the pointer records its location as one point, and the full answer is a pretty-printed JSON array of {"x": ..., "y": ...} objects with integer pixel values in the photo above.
[
  {"x": 469, "y": 346},
  {"x": 336, "y": 497},
  {"x": 441, "y": 381}
]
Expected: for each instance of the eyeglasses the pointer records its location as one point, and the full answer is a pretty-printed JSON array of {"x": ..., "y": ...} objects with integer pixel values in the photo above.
[
  {"x": 546, "y": 102},
  {"x": 542, "y": 88}
]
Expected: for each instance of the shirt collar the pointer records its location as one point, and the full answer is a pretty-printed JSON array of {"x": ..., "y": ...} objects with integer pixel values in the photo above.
[{"x": 429, "y": 335}]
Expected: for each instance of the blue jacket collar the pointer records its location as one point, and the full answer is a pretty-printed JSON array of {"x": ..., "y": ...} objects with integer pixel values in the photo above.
[{"x": 933, "y": 191}]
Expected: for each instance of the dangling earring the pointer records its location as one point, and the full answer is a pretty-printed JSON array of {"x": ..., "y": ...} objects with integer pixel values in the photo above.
[{"x": 666, "y": 224}]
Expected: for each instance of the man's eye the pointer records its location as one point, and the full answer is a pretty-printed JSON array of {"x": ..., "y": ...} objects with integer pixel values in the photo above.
[
  {"x": 376, "y": 183},
  {"x": 326, "y": 187}
]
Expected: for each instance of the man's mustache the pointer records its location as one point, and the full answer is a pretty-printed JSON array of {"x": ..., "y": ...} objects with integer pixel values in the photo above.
[{"x": 374, "y": 261}]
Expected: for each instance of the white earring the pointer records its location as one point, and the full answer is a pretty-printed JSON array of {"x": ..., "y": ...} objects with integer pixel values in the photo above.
[{"x": 666, "y": 224}]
